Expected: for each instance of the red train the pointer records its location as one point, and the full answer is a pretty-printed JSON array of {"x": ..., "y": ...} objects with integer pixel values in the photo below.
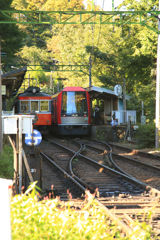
[
  {"x": 32, "y": 101},
  {"x": 70, "y": 111},
  {"x": 65, "y": 113}
]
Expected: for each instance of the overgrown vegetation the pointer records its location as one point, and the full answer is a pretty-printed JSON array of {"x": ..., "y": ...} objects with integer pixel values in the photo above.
[
  {"x": 124, "y": 54},
  {"x": 6, "y": 163},
  {"x": 52, "y": 219},
  {"x": 146, "y": 136}
]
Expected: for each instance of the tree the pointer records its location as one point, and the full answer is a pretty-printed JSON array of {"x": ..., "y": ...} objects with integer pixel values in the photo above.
[{"x": 11, "y": 35}]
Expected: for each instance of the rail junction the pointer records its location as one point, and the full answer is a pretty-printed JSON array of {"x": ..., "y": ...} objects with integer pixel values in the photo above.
[{"x": 79, "y": 169}]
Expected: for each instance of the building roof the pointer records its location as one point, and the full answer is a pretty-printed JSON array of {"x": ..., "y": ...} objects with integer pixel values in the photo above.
[
  {"x": 13, "y": 80},
  {"x": 103, "y": 93}
]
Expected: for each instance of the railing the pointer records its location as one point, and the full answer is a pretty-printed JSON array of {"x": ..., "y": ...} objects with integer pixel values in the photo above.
[{"x": 123, "y": 117}]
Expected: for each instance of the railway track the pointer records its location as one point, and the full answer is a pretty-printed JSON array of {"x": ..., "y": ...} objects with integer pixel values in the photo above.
[
  {"x": 140, "y": 170},
  {"x": 76, "y": 191},
  {"x": 138, "y": 155},
  {"x": 125, "y": 196}
]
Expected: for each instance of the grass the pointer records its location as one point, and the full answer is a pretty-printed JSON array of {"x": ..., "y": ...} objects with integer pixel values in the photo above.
[{"x": 6, "y": 163}]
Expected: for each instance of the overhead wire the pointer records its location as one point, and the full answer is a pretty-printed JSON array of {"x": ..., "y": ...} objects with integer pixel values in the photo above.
[
  {"x": 92, "y": 27},
  {"x": 100, "y": 26}
]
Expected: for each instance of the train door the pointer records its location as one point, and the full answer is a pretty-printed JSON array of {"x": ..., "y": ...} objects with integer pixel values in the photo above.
[{"x": 55, "y": 112}]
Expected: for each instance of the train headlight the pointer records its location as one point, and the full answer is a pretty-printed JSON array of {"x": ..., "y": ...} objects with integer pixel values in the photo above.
[
  {"x": 47, "y": 121},
  {"x": 34, "y": 90}
]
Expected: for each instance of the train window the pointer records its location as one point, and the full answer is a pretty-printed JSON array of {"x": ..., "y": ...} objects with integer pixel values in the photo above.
[
  {"x": 74, "y": 104},
  {"x": 34, "y": 106},
  {"x": 44, "y": 106},
  {"x": 24, "y": 106}
]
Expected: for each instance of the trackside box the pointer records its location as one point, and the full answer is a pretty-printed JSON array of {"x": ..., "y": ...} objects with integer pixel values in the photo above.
[{"x": 10, "y": 124}]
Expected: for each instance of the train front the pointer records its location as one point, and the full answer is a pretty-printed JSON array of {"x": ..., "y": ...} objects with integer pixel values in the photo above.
[
  {"x": 34, "y": 102},
  {"x": 75, "y": 112}
]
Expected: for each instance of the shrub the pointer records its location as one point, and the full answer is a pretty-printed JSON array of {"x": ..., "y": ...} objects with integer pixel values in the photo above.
[
  {"x": 52, "y": 219},
  {"x": 146, "y": 136},
  {"x": 6, "y": 163}
]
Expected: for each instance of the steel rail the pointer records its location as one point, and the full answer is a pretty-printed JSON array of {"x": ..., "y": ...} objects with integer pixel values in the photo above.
[
  {"x": 62, "y": 171},
  {"x": 125, "y": 159},
  {"x": 110, "y": 157},
  {"x": 133, "y": 180},
  {"x": 112, "y": 216},
  {"x": 136, "y": 162},
  {"x": 135, "y": 151}
]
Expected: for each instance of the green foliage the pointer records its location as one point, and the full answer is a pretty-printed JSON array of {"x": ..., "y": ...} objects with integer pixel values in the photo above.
[
  {"x": 100, "y": 135},
  {"x": 146, "y": 136},
  {"x": 128, "y": 51},
  {"x": 52, "y": 219},
  {"x": 6, "y": 163},
  {"x": 11, "y": 35}
]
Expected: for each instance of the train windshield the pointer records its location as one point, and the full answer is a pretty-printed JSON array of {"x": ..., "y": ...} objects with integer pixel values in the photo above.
[{"x": 74, "y": 104}]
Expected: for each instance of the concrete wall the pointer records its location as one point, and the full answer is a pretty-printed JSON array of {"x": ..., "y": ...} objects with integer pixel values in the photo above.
[{"x": 110, "y": 133}]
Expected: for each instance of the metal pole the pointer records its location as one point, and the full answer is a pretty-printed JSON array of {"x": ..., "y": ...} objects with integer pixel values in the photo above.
[
  {"x": 92, "y": 5},
  {"x": 90, "y": 66},
  {"x": 51, "y": 81},
  {"x": 1, "y": 134},
  {"x": 158, "y": 89},
  {"x": 20, "y": 154},
  {"x": 124, "y": 100},
  {"x": 142, "y": 109},
  {"x": 112, "y": 5}
]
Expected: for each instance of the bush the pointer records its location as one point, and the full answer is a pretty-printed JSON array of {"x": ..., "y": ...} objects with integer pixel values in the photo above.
[
  {"x": 146, "y": 136},
  {"x": 52, "y": 219},
  {"x": 6, "y": 163}
]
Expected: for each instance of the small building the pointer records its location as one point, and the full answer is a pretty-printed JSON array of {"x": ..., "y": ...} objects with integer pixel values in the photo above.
[
  {"x": 11, "y": 82},
  {"x": 110, "y": 102}
]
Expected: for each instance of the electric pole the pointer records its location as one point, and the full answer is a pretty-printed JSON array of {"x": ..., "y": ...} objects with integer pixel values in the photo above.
[
  {"x": 90, "y": 66},
  {"x": 157, "y": 127}
]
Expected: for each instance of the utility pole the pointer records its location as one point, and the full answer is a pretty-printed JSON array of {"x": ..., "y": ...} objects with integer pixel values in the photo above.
[
  {"x": 90, "y": 66},
  {"x": 157, "y": 127},
  {"x": 92, "y": 5},
  {"x": 51, "y": 83},
  {"x": 124, "y": 100},
  {"x": 1, "y": 134},
  {"x": 112, "y": 5}
]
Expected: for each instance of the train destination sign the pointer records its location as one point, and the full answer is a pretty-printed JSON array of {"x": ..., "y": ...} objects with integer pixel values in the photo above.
[{"x": 33, "y": 139}]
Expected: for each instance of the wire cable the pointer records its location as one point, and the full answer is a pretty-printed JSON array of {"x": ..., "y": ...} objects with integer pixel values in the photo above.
[{"x": 100, "y": 26}]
